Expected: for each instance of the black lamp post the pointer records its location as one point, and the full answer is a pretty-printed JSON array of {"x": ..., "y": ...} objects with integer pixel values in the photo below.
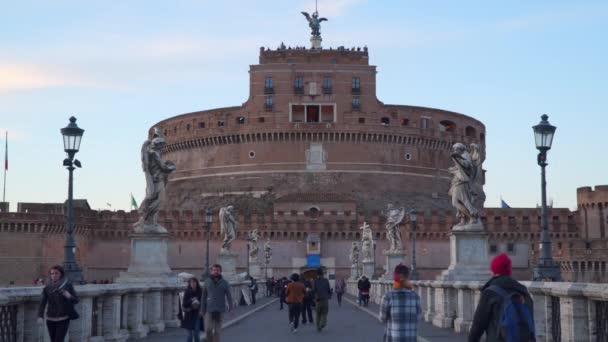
[
  {"x": 208, "y": 221},
  {"x": 71, "y": 144},
  {"x": 546, "y": 269},
  {"x": 413, "y": 220}
]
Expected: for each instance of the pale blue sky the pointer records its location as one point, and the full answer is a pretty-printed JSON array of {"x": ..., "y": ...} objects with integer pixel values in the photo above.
[{"x": 121, "y": 66}]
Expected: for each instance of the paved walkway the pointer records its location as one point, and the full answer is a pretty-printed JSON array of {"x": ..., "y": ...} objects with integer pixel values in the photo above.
[{"x": 265, "y": 322}]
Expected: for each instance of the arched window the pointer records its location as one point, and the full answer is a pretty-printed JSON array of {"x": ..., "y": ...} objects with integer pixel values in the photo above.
[
  {"x": 447, "y": 126},
  {"x": 405, "y": 122},
  {"x": 470, "y": 131},
  {"x": 385, "y": 121}
]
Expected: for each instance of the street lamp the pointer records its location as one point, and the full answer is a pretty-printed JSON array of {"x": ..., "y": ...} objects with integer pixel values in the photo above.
[
  {"x": 72, "y": 136},
  {"x": 208, "y": 221},
  {"x": 546, "y": 269},
  {"x": 248, "y": 251},
  {"x": 413, "y": 220}
]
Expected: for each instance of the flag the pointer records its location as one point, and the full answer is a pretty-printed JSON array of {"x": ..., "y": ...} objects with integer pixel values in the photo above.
[
  {"x": 6, "y": 152},
  {"x": 108, "y": 204},
  {"x": 133, "y": 202}
]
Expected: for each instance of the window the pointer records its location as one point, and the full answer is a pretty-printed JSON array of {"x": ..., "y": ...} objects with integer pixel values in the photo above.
[
  {"x": 447, "y": 126},
  {"x": 408, "y": 156},
  {"x": 220, "y": 123},
  {"x": 312, "y": 113},
  {"x": 426, "y": 123},
  {"x": 240, "y": 120},
  {"x": 405, "y": 122},
  {"x": 187, "y": 127},
  {"x": 201, "y": 124},
  {"x": 356, "y": 85},
  {"x": 268, "y": 104},
  {"x": 327, "y": 85},
  {"x": 361, "y": 120},
  {"x": 559, "y": 245},
  {"x": 251, "y": 154},
  {"x": 261, "y": 119},
  {"x": 298, "y": 85},
  {"x": 298, "y": 113},
  {"x": 268, "y": 85},
  {"x": 493, "y": 249},
  {"x": 470, "y": 132},
  {"x": 385, "y": 121},
  {"x": 356, "y": 103},
  {"x": 510, "y": 247}
]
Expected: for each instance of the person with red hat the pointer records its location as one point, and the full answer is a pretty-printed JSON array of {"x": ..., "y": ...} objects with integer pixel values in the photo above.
[
  {"x": 500, "y": 291},
  {"x": 400, "y": 309}
]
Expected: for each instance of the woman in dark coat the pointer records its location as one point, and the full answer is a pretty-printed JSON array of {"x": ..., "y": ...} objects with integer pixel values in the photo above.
[
  {"x": 58, "y": 298},
  {"x": 193, "y": 317}
]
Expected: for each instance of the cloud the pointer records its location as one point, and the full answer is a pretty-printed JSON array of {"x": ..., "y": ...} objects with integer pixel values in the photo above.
[{"x": 23, "y": 76}]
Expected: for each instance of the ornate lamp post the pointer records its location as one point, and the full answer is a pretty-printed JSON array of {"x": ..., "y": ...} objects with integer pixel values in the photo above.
[
  {"x": 546, "y": 269},
  {"x": 208, "y": 221},
  {"x": 72, "y": 136},
  {"x": 248, "y": 250},
  {"x": 413, "y": 221}
]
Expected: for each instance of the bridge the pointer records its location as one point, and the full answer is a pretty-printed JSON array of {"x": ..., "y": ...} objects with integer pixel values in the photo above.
[{"x": 147, "y": 312}]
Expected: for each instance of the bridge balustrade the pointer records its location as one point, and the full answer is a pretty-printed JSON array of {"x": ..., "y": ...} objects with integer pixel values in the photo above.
[{"x": 562, "y": 311}]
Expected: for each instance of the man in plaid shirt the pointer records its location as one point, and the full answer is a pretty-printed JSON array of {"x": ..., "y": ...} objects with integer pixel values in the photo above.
[{"x": 400, "y": 309}]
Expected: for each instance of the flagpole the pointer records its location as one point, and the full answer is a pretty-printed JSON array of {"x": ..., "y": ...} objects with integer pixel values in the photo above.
[{"x": 5, "y": 165}]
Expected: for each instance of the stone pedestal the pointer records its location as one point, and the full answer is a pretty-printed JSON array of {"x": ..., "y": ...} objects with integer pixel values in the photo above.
[
  {"x": 255, "y": 269},
  {"x": 228, "y": 262},
  {"x": 393, "y": 258},
  {"x": 315, "y": 42},
  {"x": 148, "y": 260},
  {"x": 368, "y": 269},
  {"x": 468, "y": 254},
  {"x": 354, "y": 272}
]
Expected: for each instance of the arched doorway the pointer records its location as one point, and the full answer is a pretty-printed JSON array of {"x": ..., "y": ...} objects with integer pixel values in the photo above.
[{"x": 311, "y": 273}]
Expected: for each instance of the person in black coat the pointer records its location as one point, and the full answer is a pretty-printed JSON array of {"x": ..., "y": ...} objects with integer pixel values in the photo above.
[
  {"x": 488, "y": 312},
  {"x": 193, "y": 317},
  {"x": 58, "y": 298}
]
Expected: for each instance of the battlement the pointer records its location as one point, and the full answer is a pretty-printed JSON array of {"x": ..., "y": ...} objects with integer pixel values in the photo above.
[
  {"x": 300, "y": 54},
  {"x": 587, "y": 196}
]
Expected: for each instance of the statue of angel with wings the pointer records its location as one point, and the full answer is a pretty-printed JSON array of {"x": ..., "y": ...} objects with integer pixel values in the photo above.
[
  {"x": 467, "y": 182},
  {"x": 394, "y": 216},
  {"x": 228, "y": 227},
  {"x": 314, "y": 22}
]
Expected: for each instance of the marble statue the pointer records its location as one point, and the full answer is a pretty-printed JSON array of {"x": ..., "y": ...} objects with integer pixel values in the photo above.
[
  {"x": 253, "y": 245},
  {"x": 467, "y": 183},
  {"x": 228, "y": 227},
  {"x": 157, "y": 173},
  {"x": 366, "y": 242},
  {"x": 394, "y": 216},
  {"x": 354, "y": 254},
  {"x": 314, "y": 22},
  {"x": 267, "y": 252}
]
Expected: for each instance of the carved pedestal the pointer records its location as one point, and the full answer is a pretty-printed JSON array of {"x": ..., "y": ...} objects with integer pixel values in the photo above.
[
  {"x": 148, "y": 260},
  {"x": 315, "y": 42},
  {"x": 468, "y": 254},
  {"x": 228, "y": 262},
  {"x": 368, "y": 269},
  {"x": 393, "y": 258}
]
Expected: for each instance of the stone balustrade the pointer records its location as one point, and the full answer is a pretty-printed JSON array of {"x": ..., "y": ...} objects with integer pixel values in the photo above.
[
  {"x": 562, "y": 311},
  {"x": 112, "y": 312}
]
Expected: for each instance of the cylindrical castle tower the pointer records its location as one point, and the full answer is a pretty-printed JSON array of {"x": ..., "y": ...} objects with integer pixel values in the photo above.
[{"x": 313, "y": 124}]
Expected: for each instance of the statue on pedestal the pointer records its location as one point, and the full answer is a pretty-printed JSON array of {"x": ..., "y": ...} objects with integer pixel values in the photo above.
[
  {"x": 366, "y": 242},
  {"x": 253, "y": 245},
  {"x": 267, "y": 252},
  {"x": 314, "y": 22},
  {"x": 228, "y": 227},
  {"x": 467, "y": 183},
  {"x": 394, "y": 216},
  {"x": 354, "y": 254},
  {"x": 157, "y": 173}
]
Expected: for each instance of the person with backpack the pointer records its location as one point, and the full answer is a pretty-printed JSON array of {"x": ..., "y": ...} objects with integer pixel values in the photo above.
[
  {"x": 505, "y": 310},
  {"x": 400, "y": 308}
]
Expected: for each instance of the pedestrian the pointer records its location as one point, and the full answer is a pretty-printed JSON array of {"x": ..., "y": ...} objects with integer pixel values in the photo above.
[
  {"x": 364, "y": 287},
  {"x": 322, "y": 295},
  {"x": 340, "y": 287},
  {"x": 58, "y": 298},
  {"x": 308, "y": 303},
  {"x": 253, "y": 287},
  {"x": 216, "y": 300},
  {"x": 269, "y": 285},
  {"x": 295, "y": 293},
  {"x": 505, "y": 309},
  {"x": 400, "y": 309},
  {"x": 193, "y": 316},
  {"x": 283, "y": 283}
]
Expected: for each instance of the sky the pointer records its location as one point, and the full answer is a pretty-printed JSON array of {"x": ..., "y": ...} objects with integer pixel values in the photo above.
[{"x": 122, "y": 66}]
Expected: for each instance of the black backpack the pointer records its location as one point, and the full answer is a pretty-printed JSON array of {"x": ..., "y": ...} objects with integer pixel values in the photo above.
[{"x": 516, "y": 321}]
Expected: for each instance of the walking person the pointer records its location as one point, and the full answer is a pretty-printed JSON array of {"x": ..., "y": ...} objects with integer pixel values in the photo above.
[
  {"x": 269, "y": 286},
  {"x": 282, "y": 291},
  {"x": 322, "y": 292},
  {"x": 308, "y": 303},
  {"x": 340, "y": 287},
  {"x": 193, "y": 316},
  {"x": 400, "y": 309},
  {"x": 253, "y": 287},
  {"x": 216, "y": 300},
  {"x": 364, "y": 286},
  {"x": 58, "y": 299},
  {"x": 295, "y": 297},
  {"x": 505, "y": 309}
]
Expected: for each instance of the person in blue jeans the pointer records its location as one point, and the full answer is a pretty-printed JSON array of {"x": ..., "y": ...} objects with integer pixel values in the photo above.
[{"x": 193, "y": 319}]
